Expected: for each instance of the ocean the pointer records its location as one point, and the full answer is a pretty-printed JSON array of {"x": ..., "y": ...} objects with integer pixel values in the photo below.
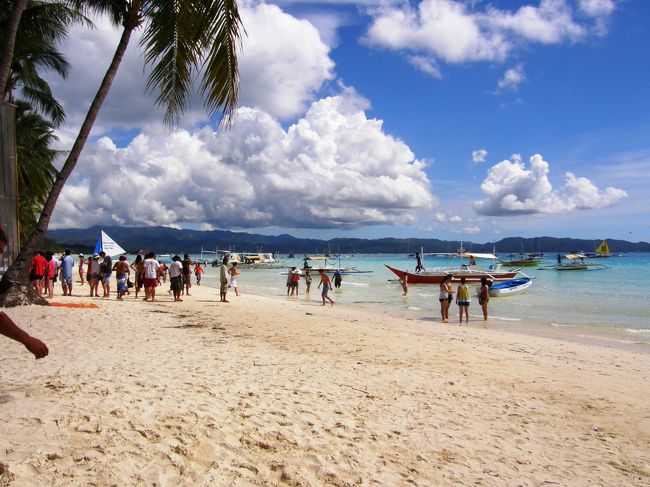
[{"x": 609, "y": 306}]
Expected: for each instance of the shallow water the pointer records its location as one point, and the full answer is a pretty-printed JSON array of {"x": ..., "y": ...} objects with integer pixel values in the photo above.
[{"x": 610, "y": 305}]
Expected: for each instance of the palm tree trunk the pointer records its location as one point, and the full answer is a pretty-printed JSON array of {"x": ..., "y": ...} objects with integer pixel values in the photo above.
[
  {"x": 10, "y": 41},
  {"x": 14, "y": 287}
]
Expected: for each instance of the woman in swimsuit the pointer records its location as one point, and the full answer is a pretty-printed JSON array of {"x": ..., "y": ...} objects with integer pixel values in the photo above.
[{"x": 446, "y": 293}]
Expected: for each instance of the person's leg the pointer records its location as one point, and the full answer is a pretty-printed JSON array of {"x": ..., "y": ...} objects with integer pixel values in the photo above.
[{"x": 484, "y": 305}]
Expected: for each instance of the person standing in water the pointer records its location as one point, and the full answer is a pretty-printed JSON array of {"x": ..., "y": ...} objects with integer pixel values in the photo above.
[
  {"x": 337, "y": 278},
  {"x": 462, "y": 300},
  {"x": 446, "y": 294},
  {"x": 327, "y": 285},
  {"x": 223, "y": 279},
  {"x": 308, "y": 280},
  {"x": 234, "y": 272},
  {"x": 484, "y": 297}
]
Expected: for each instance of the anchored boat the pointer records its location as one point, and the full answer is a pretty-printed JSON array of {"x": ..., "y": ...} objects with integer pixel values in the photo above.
[{"x": 471, "y": 272}]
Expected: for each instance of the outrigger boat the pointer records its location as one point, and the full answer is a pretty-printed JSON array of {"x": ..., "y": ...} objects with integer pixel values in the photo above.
[
  {"x": 576, "y": 263},
  {"x": 472, "y": 272},
  {"x": 329, "y": 269}
]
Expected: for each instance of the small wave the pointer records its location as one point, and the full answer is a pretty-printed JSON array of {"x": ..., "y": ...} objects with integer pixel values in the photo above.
[
  {"x": 505, "y": 318},
  {"x": 560, "y": 325},
  {"x": 637, "y": 330},
  {"x": 414, "y": 308},
  {"x": 358, "y": 284}
]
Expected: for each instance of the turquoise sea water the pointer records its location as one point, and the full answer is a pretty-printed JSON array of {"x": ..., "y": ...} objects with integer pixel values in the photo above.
[{"x": 610, "y": 305}]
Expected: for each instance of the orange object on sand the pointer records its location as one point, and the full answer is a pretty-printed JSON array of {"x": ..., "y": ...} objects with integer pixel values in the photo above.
[{"x": 74, "y": 305}]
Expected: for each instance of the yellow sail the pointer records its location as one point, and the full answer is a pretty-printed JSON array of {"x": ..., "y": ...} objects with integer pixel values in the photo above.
[{"x": 603, "y": 248}]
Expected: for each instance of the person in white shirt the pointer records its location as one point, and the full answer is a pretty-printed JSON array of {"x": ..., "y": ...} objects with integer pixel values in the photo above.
[
  {"x": 176, "y": 277},
  {"x": 151, "y": 273}
]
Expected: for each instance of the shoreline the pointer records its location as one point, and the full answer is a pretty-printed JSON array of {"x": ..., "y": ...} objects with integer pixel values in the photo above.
[
  {"x": 609, "y": 337},
  {"x": 270, "y": 391}
]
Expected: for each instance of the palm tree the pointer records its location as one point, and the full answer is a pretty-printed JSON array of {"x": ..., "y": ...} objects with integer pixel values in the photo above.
[
  {"x": 182, "y": 39},
  {"x": 42, "y": 25},
  {"x": 36, "y": 174}
]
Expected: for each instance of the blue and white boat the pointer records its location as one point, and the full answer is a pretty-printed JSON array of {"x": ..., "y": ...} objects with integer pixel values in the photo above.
[{"x": 510, "y": 287}]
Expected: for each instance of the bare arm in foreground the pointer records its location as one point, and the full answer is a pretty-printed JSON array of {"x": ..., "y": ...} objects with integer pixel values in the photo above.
[{"x": 9, "y": 329}]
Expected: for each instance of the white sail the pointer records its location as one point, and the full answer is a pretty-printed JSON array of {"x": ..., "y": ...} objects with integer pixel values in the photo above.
[{"x": 110, "y": 246}]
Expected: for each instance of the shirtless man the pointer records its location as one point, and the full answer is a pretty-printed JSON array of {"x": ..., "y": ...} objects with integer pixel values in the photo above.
[{"x": 122, "y": 273}]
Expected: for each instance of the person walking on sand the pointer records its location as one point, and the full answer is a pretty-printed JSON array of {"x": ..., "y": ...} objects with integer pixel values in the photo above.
[
  {"x": 37, "y": 272},
  {"x": 151, "y": 273},
  {"x": 82, "y": 268},
  {"x": 484, "y": 297},
  {"x": 95, "y": 270},
  {"x": 308, "y": 280},
  {"x": 198, "y": 273},
  {"x": 462, "y": 300},
  {"x": 122, "y": 273},
  {"x": 138, "y": 268},
  {"x": 187, "y": 273},
  {"x": 48, "y": 278},
  {"x": 234, "y": 272},
  {"x": 223, "y": 279},
  {"x": 67, "y": 263},
  {"x": 176, "y": 277},
  {"x": 106, "y": 270},
  {"x": 327, "y": 285},
  {"x": 446, "y": 294}
]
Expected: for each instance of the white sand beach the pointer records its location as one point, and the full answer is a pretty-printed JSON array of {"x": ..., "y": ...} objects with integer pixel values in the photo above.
[{"x": 280, "y": 391}]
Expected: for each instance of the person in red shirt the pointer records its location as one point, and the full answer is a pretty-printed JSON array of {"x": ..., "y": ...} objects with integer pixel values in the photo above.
[{"x": 37, "y": 272}]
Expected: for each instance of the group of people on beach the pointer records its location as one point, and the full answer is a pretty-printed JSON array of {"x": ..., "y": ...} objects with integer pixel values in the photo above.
[
  {"x": 148, "y": 272},
  {"x": 463, "y": 298},
  {"x": 293, "y": 282}
]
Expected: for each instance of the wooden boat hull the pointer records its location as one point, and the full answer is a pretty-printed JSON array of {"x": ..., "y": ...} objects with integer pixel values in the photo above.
[
  {"x": 511, "y": 287},
  {"x": 471, "y": 276}
]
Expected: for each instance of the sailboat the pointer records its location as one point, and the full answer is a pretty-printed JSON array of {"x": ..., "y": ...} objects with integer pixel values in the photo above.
[
  {"x": 108, "y": 245},
  {"x": 601, "y": 251}
]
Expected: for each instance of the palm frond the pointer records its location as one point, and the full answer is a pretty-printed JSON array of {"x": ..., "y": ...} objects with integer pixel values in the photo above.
[
  {"x": 170, "y": 45},
  {"x": 185, "y": 37},
  {"x": 220, "y": 83}
]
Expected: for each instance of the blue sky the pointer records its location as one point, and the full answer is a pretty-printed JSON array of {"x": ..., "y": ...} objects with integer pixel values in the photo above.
[{"x": 469, "y": 120}]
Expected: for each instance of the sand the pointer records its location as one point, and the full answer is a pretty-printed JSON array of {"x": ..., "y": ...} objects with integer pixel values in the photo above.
[{"x": 282, "y": 391}]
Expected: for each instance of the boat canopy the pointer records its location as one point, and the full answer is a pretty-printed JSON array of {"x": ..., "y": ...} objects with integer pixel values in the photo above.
[
  {"x": 478, "y": 256},
  {"x": 316, "y": 257},
  {"x": 575, "y": 256}
]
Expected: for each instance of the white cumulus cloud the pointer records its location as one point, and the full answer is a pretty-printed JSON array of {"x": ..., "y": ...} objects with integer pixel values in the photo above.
[
  {"x": 511, "y": 188},
  {"x": 512, "y": 78},
  {"x": 334, "y": 168},
  {"x": 479, "y": 155},
  {"x": 278, "y": 74},
  {"x": 454, "y": 31}
]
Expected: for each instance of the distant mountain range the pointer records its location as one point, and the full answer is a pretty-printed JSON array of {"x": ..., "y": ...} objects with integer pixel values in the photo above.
[{"x": 163, "y": 240}]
